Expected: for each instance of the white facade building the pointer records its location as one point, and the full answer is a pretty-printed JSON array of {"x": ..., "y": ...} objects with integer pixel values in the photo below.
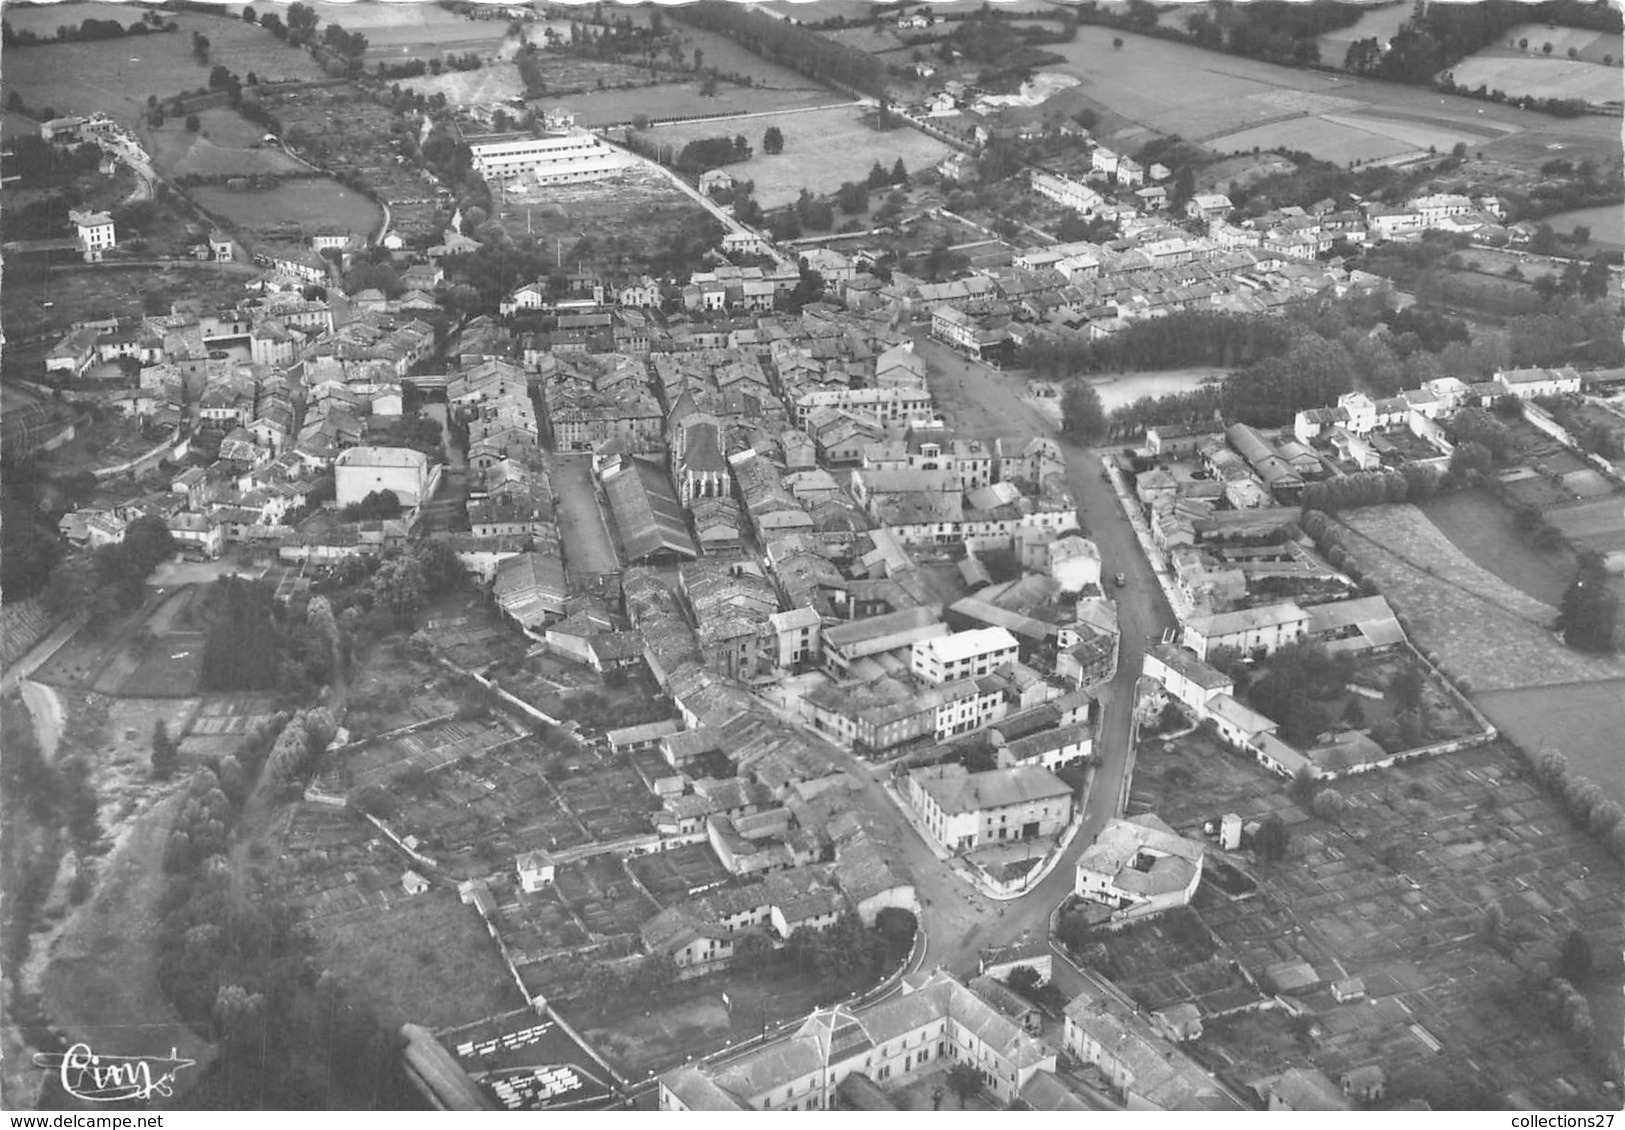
[
  {"x": 557, "y": 157},
  {"x": 962, "y": 655}
]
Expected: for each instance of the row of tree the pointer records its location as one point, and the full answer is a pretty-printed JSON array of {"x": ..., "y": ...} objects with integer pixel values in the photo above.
[
  {"x": 86, "y": 31},
  {"x": 781, "y": 41},
  {"x": 1584, "y": 800}
]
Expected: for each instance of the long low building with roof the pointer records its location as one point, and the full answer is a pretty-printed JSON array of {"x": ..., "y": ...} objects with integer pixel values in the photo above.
[{"x": 651, "y": 521}]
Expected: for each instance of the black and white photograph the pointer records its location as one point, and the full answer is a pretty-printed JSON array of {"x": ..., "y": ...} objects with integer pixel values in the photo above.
[{"x": 926, "y": 556}]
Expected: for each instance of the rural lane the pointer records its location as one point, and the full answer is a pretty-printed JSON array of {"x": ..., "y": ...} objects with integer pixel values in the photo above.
[{"x": 47, "y": 711}]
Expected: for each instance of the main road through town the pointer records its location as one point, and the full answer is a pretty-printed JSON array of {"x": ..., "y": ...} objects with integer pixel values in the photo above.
[{"x": 984, "y": 403}]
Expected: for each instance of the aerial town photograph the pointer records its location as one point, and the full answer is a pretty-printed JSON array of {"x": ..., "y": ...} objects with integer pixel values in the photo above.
[{"x": 812, "y": 555}]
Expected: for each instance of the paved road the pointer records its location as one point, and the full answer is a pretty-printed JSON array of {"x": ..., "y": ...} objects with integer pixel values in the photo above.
[
  {"x": 588, "y": 547},
  {"x": 984, "y": 403}
]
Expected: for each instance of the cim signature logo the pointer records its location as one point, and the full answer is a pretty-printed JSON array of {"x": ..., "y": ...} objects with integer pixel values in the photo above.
[{"x": 94, "y": 1078}]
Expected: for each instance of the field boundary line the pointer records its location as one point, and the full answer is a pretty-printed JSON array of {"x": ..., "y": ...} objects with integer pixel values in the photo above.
[{"x": 1405, "y": 560}]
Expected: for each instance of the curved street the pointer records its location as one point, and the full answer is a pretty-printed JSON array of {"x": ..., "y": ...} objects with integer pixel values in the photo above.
[{"x": 984, "y": 403}]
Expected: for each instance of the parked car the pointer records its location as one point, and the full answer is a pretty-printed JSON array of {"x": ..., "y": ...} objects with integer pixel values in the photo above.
[{"x": 1121, "y": 580}]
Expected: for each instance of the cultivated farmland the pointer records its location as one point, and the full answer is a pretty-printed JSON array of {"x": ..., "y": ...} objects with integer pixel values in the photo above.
[
  {"x": 1225, "y": 102},
  {"x": 1390, "y": 892},
  {"x": 635, "y": 212},
  {"x": 822, "y": 148}
]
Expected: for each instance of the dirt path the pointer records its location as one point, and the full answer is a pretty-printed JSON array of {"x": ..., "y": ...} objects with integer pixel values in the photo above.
[{"x": 46, "y": 708}]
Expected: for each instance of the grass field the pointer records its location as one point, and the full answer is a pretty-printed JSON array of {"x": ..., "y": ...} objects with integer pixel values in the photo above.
[
  {"x": 296, "y": 206},
  {"x": 1598, "y": 525},
  {"x": 1581, "y": 720},
  {"x": 1481, "y": 528},
  {"x": 1541, "y": 77},
  {"x": 115, "y": 76},
  {"x": 413, "y": 31},
  {"x": 1480, "y": 626},
  {"x": 227, "y": 144},
  {"x": 822, "y": 149},
  {"x": 1206, "y": 96},
  {"x": 1380, "y": 22},
  {"x": 683, "y": 99},
  {"x": 44, "y": 19},
  {"x": 1607, "y": 223},
  {"x": 1589, "y": 46}
]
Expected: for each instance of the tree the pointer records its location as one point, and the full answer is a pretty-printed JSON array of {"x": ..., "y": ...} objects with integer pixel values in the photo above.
[
  {"x": 853, "y": 198},
  {"x": 164, "y": 754},
  {"x": 773, "y": 140},
  {"x": 1117, "y": 43},
  {"x": 1023, "y": 979},
  {"x": 1575, "y": 960},
  {"x": 1589, "y": 610},
  {"x": 1552, "y": 767},
  {"x": 249, "y": 15},
  {"x": 1082, "y": 413},
  {"x": 1329, "y": 805},
  {"x": 192, "y": 123},
  {"x": 1271, "y": 841},
  {"x": 899, "y": 172},
  {"x": 1604, "y": 818},
  {"x": 83, "y": 809},
  {"x": 964, "y": 1081}
]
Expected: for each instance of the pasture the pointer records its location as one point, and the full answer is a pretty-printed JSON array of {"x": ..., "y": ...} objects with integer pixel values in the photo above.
[
  {"x": 1477, "y": 624},
  {"x": 44, "y": 19},
  {"x": 116, "y": 76},
  {"x": 294, "y": 205},
  {"x": 1531, "y": 39},
  {"x": 1232, "y": 103},
  {"x": 822, "y": 148},
  {"x": 413, "y": 31},
  {"x": 683, "y": 100},
  {"x": 1380, "y": 22},
  {"x": 1540, "y": 76},
  {"x": 1481, "y": 528},
  {"x": 1597, "y": 525},
  {"x": 1581, "y": 720},
  {"x": 226, "y": 144},
  {"x": 1607, "y": 223}
]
